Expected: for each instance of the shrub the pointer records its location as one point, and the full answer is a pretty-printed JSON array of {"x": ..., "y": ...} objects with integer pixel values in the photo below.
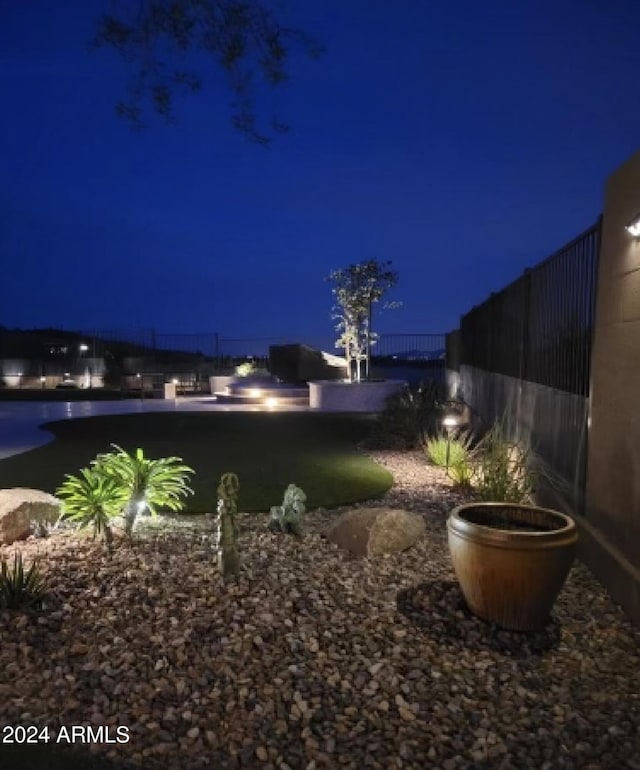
[
  {"x": 246, "y": 369},
  {"x": 501, "y": 472},
  {"x": 462, "y": 473},
  {"x": 408, "y": 417},
  {"x": 18, "y": 588},
  {"x": 288, "y": 516}
]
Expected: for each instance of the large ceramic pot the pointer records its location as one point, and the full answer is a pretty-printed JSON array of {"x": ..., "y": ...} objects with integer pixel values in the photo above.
[{"x": 511, "y": 560}]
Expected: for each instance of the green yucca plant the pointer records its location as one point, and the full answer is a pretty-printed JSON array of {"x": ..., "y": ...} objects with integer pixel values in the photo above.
[
  {"x": 149, "y": 484},
  {"x": 92, "y": 500},
  {"x": 20, "y": 588}
]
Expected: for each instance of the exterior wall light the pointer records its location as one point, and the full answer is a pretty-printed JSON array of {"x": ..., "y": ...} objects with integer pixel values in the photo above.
[{"x": 633, "y": 228}]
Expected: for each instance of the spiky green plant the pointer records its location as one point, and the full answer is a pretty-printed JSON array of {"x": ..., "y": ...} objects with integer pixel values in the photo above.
[
  {"x": 288, "y": 516},
  {"x": 449, "y": 451},
  {"x": 92, "y": 499},
  {"x": 461, "y": 474},
  {"x": 150, "y": 484},
  {"x": 502, "y": 472},
  {"x": 20, "y": 588},
  {"x": 228, "y": 557}
]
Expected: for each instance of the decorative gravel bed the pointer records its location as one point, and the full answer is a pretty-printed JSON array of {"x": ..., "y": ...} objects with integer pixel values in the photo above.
[{"x": 313, "y": 659}]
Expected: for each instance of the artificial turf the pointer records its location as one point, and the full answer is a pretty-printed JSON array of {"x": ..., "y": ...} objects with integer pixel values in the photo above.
[{"x": 267, "y": 450}]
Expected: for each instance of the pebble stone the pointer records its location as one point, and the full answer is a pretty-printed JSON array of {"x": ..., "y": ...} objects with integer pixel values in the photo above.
[{"x": 313, "y": 659}]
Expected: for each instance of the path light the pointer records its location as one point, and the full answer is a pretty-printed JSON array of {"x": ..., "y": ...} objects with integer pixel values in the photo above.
[
  {"x": 255, "y": 392},
  {"x": 83, "y": 348},
  {"x": 43, "y": 380},
  {"x": 271, "y": 401},
  {"x": 633, "y": 228},
  {"x": 450, "y": 422}
]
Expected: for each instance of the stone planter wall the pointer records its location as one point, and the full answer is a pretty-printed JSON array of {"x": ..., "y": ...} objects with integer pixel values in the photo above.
[
  {"x": 352, "y": 396},
  {"x": 218, "y": 383}
]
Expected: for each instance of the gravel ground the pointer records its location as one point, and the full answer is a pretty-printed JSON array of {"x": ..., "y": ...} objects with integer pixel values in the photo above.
[{"x": 315, "y": 660}]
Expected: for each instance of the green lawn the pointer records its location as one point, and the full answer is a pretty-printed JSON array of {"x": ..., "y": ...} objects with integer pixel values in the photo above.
[{"x": 267, "y": 450}]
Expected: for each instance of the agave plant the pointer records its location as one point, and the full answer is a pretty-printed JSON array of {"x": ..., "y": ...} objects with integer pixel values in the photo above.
[
  {"x": 20, "y": 588},
  {"x": 92, "y": 500},
  {"x": 449, "y": 450},
  {"x": 148, "y": 484}
]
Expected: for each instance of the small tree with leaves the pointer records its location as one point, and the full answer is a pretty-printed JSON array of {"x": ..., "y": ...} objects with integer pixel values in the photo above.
[{"x": 356, "y": 288}]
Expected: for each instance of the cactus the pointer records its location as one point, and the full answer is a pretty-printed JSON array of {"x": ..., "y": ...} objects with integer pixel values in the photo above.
[
  {"x": 228, "y": 558},
  {"x": 288, "y": 516}
]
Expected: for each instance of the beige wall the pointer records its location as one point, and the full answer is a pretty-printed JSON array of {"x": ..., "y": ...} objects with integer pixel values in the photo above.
[{"x": 611, "y": 542}]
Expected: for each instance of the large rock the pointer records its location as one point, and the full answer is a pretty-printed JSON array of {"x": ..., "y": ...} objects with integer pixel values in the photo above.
[
  {"x": 19, "y": 507},
  {"x": 371, "y": 531},
  {"x": 300, "y": 363}
]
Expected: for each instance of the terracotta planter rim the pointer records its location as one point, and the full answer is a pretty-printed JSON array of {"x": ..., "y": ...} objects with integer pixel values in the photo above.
[{"x": 512, "y": 538}]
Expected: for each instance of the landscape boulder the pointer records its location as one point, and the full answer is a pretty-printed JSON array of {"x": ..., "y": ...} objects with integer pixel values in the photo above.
[
  {"x": 19, "y": 507},
  {"x": 372, "y": 531}
]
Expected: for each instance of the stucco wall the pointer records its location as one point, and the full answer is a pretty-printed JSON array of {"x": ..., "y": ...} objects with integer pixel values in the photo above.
[{"x": 612, "y": 524}]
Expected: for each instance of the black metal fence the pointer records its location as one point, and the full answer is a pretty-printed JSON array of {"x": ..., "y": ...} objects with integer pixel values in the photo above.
[
  {"x": 539, "y": 328},
  {"x": 538, "y": 332},
  {"x": 208, "y": 344},
  {"x": 411, "y": 347}
]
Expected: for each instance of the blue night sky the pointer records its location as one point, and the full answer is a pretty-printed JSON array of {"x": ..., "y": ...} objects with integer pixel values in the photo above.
[{"x": 463, "y": 141}]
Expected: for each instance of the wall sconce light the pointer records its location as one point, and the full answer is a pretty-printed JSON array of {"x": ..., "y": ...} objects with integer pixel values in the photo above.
[{"x": 633, "y": 228}]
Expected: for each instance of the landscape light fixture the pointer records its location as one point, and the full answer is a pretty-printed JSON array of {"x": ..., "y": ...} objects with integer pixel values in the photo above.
[
  {"x": 450, "y": 422},
  {"x": 633, "y": 228},
  {"x": 84, "y": 348}
]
